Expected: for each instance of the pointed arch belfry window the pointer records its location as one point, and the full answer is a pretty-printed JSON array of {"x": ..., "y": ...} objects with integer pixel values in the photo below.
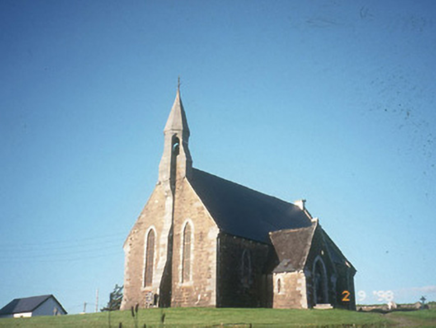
[
  {"x": 186, "y": 253},
  {"x": 175, "y": 145},
  {"x": 149, "y": 258},
  {"x": 175, "y": 149}
]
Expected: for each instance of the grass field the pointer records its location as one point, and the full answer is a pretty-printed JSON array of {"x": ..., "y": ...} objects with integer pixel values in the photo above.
[
  {"x": 205, "y": 317},
  {"x": 426, "y": 318}
]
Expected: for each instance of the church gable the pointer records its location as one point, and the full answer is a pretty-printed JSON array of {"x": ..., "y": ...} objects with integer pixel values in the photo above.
[
  {"x": 310, "y": 262},
  {"x": 147, "y": 242},
  {"x": 155, "y": 204},
  {"x": 194, "y": 250},
  {"x": 292, "y": 247},
  {"x": 345, "y": 271}
]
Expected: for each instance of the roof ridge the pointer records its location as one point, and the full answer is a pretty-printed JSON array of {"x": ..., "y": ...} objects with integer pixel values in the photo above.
[
  {"x": 44, "y": 295},
  {"x": 245, "y": 187}
]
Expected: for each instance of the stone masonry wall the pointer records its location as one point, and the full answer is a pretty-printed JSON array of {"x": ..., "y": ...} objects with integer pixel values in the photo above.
[
  {"x": 319, "y": 249},
  {"x": 289, "y": 290},
  {"x": 238, "y": 286},
  {"x": 344, "y": 283},
  {"x": 200, "y": 290},
  {"x": 152, "y": 217}
]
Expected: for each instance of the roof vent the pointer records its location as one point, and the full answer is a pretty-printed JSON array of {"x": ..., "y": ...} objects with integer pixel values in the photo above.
[{"x": 301, "y": 204}]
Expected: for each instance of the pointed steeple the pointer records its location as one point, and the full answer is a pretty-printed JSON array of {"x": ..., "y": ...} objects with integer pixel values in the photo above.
[
  {"x": 176, "y": 162},
  {"x": 177, "y": 121}
]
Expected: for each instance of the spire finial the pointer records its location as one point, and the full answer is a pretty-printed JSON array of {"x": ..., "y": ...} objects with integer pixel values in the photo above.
[{"x": 178, "y": 84}]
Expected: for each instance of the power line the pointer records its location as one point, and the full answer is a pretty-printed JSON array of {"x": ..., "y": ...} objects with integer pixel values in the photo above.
[
  {"x": 72, "y": 250},
  {"x": 39, "y": 248},
  {"x": 63, "y": 241},
  {"x": 59, "y": 260},
  {"x": 56, "y": 254}
]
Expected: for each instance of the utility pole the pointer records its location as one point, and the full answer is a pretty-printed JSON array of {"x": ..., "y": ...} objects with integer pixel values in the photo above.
[
  {"x": 96, "y": 301},
  {"x": 84, "y": 307}
]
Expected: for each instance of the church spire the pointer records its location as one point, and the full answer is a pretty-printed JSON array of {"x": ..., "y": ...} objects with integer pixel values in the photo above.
[
  {"x": 177, "y": 121},
  {"x": 176, "y": 162}
]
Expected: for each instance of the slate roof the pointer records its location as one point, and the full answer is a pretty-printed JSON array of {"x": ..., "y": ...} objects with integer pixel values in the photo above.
[
  {"x": 292, "y": 247},
  {"x": 284, "y": 266},
  {"x": 244, "y": 212},
  {"x": 28, "y": 304}
]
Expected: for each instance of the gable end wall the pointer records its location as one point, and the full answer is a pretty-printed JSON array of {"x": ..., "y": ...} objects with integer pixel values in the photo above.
[
  {"x": 201, "y": 289},
  {"x": 152, "y": 216}
]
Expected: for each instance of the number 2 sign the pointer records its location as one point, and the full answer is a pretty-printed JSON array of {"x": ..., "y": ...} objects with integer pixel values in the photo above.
[{"x": 346, "y": 296}]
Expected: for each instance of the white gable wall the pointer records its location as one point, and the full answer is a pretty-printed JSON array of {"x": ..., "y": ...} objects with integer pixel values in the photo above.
[{"x": 49, "y": 307}]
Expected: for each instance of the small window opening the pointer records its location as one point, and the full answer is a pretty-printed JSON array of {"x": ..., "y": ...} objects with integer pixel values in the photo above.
[{"x": 176, "y": 146}]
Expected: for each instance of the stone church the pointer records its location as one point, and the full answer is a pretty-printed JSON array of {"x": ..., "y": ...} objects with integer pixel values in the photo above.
[{"x": 205, "y": 241}]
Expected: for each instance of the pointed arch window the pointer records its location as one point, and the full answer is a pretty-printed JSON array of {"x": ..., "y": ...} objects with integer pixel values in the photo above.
[
  {"x": 149, "y": 258},
  {"x": 186, "y": 253},
  {"x": 246, "y": 269},
  {"x": 320, "y": 282}
]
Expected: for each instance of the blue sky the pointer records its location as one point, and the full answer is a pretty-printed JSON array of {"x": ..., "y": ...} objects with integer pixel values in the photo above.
[{"x": 328, "y": 100}]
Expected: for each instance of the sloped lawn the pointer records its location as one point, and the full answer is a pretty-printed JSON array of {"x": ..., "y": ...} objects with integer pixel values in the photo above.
[{"x": 208, "y": 317}]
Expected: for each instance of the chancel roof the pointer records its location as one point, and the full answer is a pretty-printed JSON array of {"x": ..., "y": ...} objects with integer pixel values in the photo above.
[
  {"x": 284, "y": 266},
  {"x": 244, "y": 212},
  {"x": 292, "y": 246}
]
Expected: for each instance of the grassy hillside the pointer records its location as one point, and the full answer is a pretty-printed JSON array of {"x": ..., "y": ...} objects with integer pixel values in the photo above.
[{"x": 204, "y": 317}]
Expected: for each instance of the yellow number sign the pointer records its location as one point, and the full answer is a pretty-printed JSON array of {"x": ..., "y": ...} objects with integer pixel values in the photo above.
[{"x": 346, "y": 295}]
